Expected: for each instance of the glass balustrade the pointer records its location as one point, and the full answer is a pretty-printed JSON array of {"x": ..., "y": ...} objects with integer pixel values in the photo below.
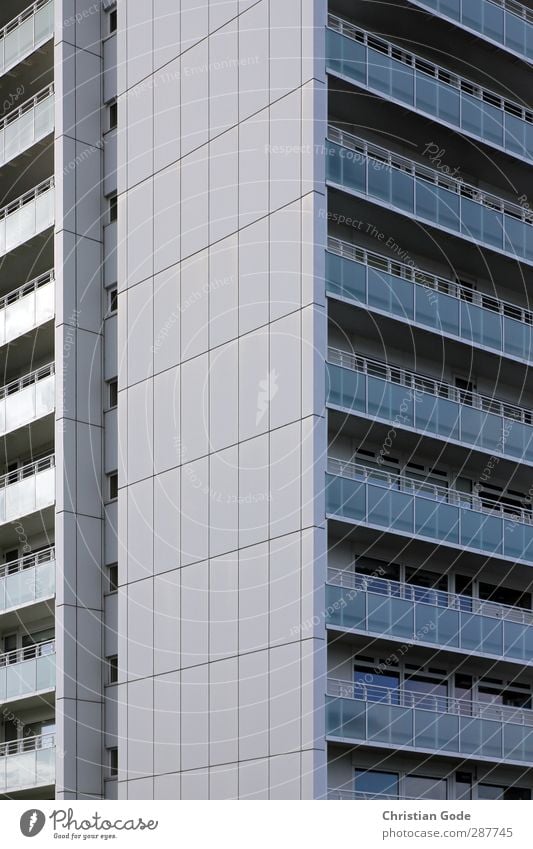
[
  {"x": 412, "y": 189},
  {"x": 414, "y": 295},
  {"x": 27, "y": 307},
  {"x": 408, "y": 400},
  {"x": 21, "y": 129},
  {"x": 379, "y": 66},
  {"x": 29, "y": 762},
  {"x": 26, "y": 217},
  {"x": 28, "y": 489},
  {"x": 377, "y": 715},
  {"x": 21, "y": 36},
  {"x": 504, "y": 21},
  {"x": 417, "y": 509},
  {"x": 27, "y": 399},
  {"x": 28, "y": 580},
  {"x": 408, "y": 612},
  {"x": 28, "y": 670}
]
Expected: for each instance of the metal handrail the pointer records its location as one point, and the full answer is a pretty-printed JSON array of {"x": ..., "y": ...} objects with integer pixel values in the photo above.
[
  {"x": 430, "y": 175},
  {"x": 27, "y": 380},
  {"x": 27, "y": 744},
  {"x": 27, "y": 197},
  {"x": 27, "y": 653},
  {"x": 439, "y": 73},
  {"x": 422, "y": 383},
  {"x": 339, "y": 795},
  {"x": 403, "y": 483},
  {"x": 428, "y": 595},
  {"x": 28, "y": 470},
  {"x": 421, "y": 277},
  {"x": 27, "y": 13},
  {"x": 400, "y": 697},
  {"x": 27, "y": 562},
  {"x": 27, "y": 106},
  {"x": 512, "y": 6}
]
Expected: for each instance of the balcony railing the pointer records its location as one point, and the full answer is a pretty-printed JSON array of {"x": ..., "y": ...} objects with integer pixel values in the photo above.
[
  {"x": 420, "y": 614},
  {"x": 413, "y": 189},
  {"x": 25, "y": 126},
  {"x": 411, "y": 400},
  {"x": 413, "y": 294},
  {"x": 29, "y": 398},
  {"x": 344, "y": 795},
  {"x": 25, "y": 33},
  {"x": 505, "y": 22},
  {"x": 27, "y": 670},
  {"x": 382, "y": 67},
  {"x": 27, "y": 307},
  {"x": 28, "y": 762},
  {"x": 417, "y": 508},
  {"x": 27, "y": 580},
  {"x": 405, "y": 719},
  {"x": 27, "y": 216},
  {"x": 28, "y": 489}
]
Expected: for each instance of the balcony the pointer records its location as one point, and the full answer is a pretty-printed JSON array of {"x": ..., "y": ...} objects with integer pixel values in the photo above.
[
  {"x": 27, "y": 399},
  {"x": 414, "y": 295},
  {"x": 28, "y": 489},
  {"x": 504, "y": 22},
  {"x": 27, "y": 671},
  {"x": 26, "y": 763},
  {"x": 27, "y": 307},
  {"x": 28, "y": 580},
  {"x": 390, "y": 609},
  {"x": 25, "y": 33},
  {"x": 374, "y": 173},
  {"x": 414, "y": 508},
  {"x": 401, "y": 719},
  {"x": 27, "y": 216},
  {"x": 413, "y": 401},
  {"x": 407, "y": 79},
  {"x": 28, "y": 124}
]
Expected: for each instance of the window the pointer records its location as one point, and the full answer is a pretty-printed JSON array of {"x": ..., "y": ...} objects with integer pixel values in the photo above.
[
  {"x": 112, "y": 300},
  {"x": 420, "y": 787},
  {"x": 113, "y": 762},
  {"x": 112, "y": 671},
  {"x": 112, "y": 484},
  {"x": 375, "y": 687},
  {"x": 112, "y": 201},
  {"x": 463, "y": 785},
  {"x": 112, "y": 392},
  {"x": 113, "y": 21},
  {"x": 374, "y": 784},
  {"x": 112, "y": 115},
  {"x": 113, "y": 577}
]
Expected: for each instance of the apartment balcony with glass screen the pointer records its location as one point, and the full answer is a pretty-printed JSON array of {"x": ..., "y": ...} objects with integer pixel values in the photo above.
[
  {"x": 374, "y": 173},
  {"x": 505, "y": 22},
  {"x": 27, "y": 307},
  {"x": 402, "y": 719},
  {"x": 26, "y": 671},
  {"x": 27, "y": 399},
  {"x": 27, "y": 216},
  {"x": 25, "y": 33},
  {"x": 28, "y": 124},
  {"x": 413, "y": 508},
  {"x": 382, "y": 392},
  {"x": 403, "y": 77},
  {"x": 28, "y": 580},
  {"x": 28, "y": 489},
  {"x": 27, "y": 763},
  {"x": 434, "y": 303},
  {"x": 391, "y": 609}
]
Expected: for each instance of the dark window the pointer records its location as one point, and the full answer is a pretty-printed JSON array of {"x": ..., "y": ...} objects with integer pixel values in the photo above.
[
  {"x": 113, "y": 21},
  {"x": 113, "y": 485},
  {"x": 112, "y": 674},
  {"x": 113, "y": 207},
  {"x": 463, "y": 785},
  {"x": 113, "y": 762},
  {"x": 112, "y": 398},
  {"x": 420, "y": 787},
  {"x": 112, "y": 115},
  {"x": 113, "y": 300},
  {"x": 373, "y": 784},
  {"x": 113, "y": 577}
]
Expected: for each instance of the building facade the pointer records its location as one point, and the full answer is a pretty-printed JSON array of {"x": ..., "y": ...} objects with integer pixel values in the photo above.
[{"x": 266, "y": 522}]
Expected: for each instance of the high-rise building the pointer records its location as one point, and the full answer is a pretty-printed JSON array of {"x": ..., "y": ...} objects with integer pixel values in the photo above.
[{"x": 266, "y": 517}]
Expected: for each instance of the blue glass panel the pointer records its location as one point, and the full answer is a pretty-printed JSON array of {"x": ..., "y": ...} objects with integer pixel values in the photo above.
[
  {"x": 389, "y": 293},
  {"x": 515, "y": 33},
  {"x": 492, "y": 227},
  {"x": 481, "y": 737},
  {"x": 436, "y": 519},
  {"x": 491, "y": 635},
  {"x": 528, "y": 143},
  {"x": 403, "y": 82},
  {"x": 346, "y": 388},
  {"x": 354, "y": 168},
  {"x": 472, "y": 114},
  {"x": 345, "y": 278},
  {"x": 449, "y": 7},
  {"x": 528, "y": 29},
  {"x": 436, "y": 730},
  {"x": 492, "y": 123},
  {"x": 517, "y": 338},
  {"x": 346, "y": 56},
  {"x": 514, "y": 236},
  {"x": 437, "y": 415},
  {"x": 403, "y": 190},
  {"x": 379, "y": 179},
  {"x": 449, "y": 104},
  {"x": 346, "y": 607},
  {"x": 493, "y": 17},
  {"x": 390, "y": 616},
  {"x": 481, "y": 325},
  {"x": 436, "y": 310},
  {"x": 448, "y": 208},
  {"x": 390, "y": 509},
  {"x": 479, "y": 428},
  {"x": 473, "y": 14},
  {"x": 353, "y": 719},
  {"x": 524, "y": 434},
  {"x": 426, "y": 93},
  {"x": 390, "y": 724},
  {"x": 471, "y": 218},
  {"x": 333, "y": 164},
  {"x": 426, "y": 200},
  {"x": 518, "y": 640},
  {"x": 517, "y": 742},
  {"x": 389, "y": 401},
  {"x": 514, "y": 137},
  {"x": 437, "y": 624},
  {"x": 481, "y": 531},
  {"x": 379, "y": 70}
]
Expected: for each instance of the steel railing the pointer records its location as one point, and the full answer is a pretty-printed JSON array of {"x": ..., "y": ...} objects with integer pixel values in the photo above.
[
  {"x": 369, "y": 150},
  {"x": 512, "y": 6},
  {"x": 427, "y": 385},
  {"x": 421, "y": 277},
  {"x": 27, "y": 744},
  {"x": 28, "y": 470},
  {"x": 403, "y": 483},
  {"x": 27, "y": 106},
  {"x": 400, "y": 697},
  {"x": 27, "y": 562},
  {"x": 27, "y": 653},
  {"x": 427, "y": 595},
  {"x": 27, "y": 380},
  {"x": 437, "y": 72},
  {"x": 27, "y": 197},
  {"x": 26, "y": 289}
]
